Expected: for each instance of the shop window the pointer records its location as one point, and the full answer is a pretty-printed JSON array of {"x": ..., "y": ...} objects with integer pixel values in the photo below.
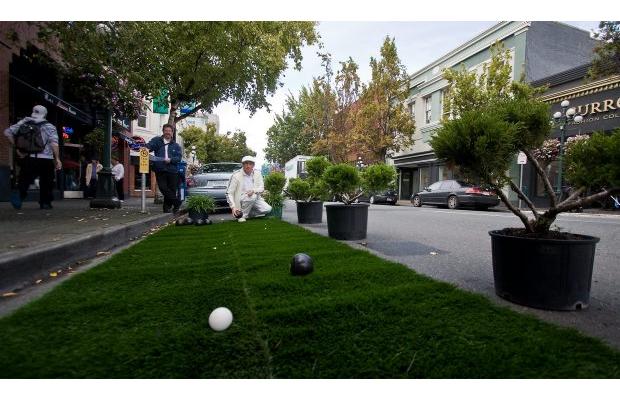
[
  {"x": 552, "y": 172},
  {"x": 138, "y": 179},
  {"x": 425, "y": 178}
]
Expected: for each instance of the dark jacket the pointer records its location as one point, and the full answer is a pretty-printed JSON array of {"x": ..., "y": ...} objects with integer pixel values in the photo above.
[{"x": 174, "y": 154}]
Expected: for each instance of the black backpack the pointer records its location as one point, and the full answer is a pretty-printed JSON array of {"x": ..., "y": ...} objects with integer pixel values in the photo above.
[{"x": 28, "y": 138}]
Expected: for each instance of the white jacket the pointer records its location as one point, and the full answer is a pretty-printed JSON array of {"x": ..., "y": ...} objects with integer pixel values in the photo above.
[{"x": 235, "y": 185}]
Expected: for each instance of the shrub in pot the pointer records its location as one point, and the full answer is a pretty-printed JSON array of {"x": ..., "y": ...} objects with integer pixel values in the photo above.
[
  {"x": 310, "y": 193},
  {"x": 199, "y": 207},
  {"x": 534, "y": 265},
  {"x": 274, "y": 186},
  {"x": 349, "y": 221}
]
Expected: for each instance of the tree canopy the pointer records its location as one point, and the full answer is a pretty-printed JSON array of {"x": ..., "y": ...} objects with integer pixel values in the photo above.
[
  {"x": 197, "y": 64},
  {"x": 211, "y": 147},
  {"x": 342, "y": 118},
  {"x": 607, "y": 53}
]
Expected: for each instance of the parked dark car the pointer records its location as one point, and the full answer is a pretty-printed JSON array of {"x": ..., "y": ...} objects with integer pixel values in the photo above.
[
  {"x": 213, "y": 180},
  {"x": 454, "y": 194},
  {"x": 389, "y": 196}
]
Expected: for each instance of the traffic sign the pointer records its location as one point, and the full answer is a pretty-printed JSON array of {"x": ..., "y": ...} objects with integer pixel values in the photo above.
[
  {"x": 522, "y": 158},
  {"x": 144, "y": 160}
]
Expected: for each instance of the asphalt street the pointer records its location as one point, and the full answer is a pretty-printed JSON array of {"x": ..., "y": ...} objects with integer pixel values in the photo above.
[{"x": 454, "y": 246}]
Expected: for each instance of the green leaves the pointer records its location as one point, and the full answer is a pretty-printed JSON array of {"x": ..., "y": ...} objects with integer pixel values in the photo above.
[
  {"x": 595, "y": 163},
  {"x": 274, "y": 184},
  {"x": 378, "y": 177},
  {"x": 200, "y": 203},
  {"x": 343, "y": 180},
  {"x": 212, "y": 147},
  {"x": 480, "y": 144},
  {"x": 298, "y": 189},
  {"x": 202, "y": 62}
]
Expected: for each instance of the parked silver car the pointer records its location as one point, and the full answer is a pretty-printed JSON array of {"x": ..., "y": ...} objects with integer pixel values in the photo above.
[{"x": 213, "y": 180}]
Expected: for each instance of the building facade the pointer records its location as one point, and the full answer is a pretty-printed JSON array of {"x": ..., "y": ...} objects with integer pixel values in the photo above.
[
  {"x": 597, "y": 101},
  {"x": 537, "y": 48}
]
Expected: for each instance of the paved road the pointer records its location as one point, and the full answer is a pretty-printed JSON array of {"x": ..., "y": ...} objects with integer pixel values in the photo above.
[{"x": 463, "y": 255}]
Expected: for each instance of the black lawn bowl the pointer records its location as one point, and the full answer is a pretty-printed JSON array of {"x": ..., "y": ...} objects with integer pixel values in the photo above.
[
  {"x": 301, "y": 264},
  {"x": 188, "y": 221},
  {"x": 208, "y": 221},
  {"x": 199, "y": 221},
  {"x": 238, "y": 214},
  {"x": 550, "y": 274}
]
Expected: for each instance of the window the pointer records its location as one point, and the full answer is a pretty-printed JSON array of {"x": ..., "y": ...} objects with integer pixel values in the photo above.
[
  {"x": 425, "y": 178},
  {"x": 427, "y": 109},
  {"x": 445, "y": 112},
  {"x": 434, "y": 186},
  {"x": 142, "y": 116},
  {"x": 412, "y": 110}
]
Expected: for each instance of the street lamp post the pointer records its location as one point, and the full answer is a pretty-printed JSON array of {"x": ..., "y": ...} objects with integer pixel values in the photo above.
[
  {"x": 360, "y": 163},
  {"x": 193, "y": 153},
  {"x": 562, "y": 118}
]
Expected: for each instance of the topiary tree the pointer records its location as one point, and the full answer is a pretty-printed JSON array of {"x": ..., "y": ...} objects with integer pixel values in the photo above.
[
  {"x": 298, "y": 189},
  {"x": 483, "y": 139},
  {"x": 347, "y": 184},
  {"x": 274, "y": 185}
]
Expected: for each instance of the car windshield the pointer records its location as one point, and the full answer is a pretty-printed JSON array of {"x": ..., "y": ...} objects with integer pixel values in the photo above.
[{"x": 224, "y": 167}]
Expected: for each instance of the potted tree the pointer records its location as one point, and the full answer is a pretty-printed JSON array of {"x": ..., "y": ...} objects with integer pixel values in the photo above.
[
  {"x": 533, "y": 265},
  {"x": 349, "y": 221},
  {"x": 198, "y": 209},
  {"x": 274, "y": 185},
  {"x": 310, "y": 193}
]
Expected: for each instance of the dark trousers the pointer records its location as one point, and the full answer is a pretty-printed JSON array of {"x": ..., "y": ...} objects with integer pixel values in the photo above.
[
  {"x": 168, "y": 183},
  {"x": 119, "y": 189},
  {"x": 30, "y": 169},
  {"x": 91, "y": 189}
]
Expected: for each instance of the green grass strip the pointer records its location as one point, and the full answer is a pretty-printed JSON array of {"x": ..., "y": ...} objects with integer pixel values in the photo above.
[{"x": 144, "y": 314}]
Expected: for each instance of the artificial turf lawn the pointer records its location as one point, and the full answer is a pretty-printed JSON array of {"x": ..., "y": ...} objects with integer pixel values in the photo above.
[{"x": 144, "y": 313}]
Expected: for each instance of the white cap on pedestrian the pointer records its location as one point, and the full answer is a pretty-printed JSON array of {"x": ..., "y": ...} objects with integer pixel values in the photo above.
[
  {"x": 39, "y": 112},
  {"x": 248, "y": 159}
]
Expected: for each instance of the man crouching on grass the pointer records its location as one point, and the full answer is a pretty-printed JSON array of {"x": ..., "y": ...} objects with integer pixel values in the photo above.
[{"x": 244, "y": 192}]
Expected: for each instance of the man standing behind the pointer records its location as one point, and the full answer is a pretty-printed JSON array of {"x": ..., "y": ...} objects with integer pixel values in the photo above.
[
  {"x": 36, "y": 141},
  {"x": 244, "y": 190},
  {"x": 166, "y": 166},
  {"x": 118, "y": 172}
]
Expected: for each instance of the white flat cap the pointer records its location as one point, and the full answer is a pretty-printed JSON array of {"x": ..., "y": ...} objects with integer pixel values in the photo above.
[{"x": 248, "y": 159}]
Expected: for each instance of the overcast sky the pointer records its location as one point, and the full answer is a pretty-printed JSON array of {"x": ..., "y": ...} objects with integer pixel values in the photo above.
[{"x": 418, "y": 44}]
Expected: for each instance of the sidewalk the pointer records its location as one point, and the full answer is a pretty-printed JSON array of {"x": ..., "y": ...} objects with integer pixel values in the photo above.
[{"x": 35, "y": 242}]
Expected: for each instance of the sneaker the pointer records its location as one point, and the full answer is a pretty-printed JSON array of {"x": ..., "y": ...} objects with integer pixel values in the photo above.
[
  {"x": 241, "y": 219},
  {"x": 16, "y": 201}
]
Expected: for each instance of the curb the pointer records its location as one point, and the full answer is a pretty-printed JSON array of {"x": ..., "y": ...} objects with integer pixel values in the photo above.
[{"x": 18, "y": 270}]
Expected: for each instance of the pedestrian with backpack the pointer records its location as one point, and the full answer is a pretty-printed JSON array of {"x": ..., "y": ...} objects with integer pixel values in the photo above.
[{"x": 36, "y": 145}]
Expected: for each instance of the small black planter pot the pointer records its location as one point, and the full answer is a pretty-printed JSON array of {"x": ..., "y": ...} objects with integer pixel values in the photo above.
[
  {"x": 550, "y": 274},
  {"x": 195, "y": 215},
  {"x": 309, "y": 212},
  {"x": 347, "y": 221}
]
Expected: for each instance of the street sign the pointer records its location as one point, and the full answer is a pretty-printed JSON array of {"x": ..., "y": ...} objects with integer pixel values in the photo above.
[
  {"x": 144, "y": 160},
  {"x": 522, "y": 158}
]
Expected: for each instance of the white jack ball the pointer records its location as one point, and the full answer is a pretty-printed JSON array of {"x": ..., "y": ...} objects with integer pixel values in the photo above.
[{"x": 220, "y": 319}]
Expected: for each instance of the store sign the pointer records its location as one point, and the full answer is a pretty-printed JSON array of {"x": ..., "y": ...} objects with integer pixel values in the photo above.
[
  {"x": 600, "y": 111},
  {"x": 144, "y": 160}
]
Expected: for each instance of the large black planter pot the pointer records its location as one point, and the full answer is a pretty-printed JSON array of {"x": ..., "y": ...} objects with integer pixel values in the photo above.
[
  {"x": 549, "y": 274},
  {"x": 347, "y": 222},
  {"x": 309, "y": 212}
]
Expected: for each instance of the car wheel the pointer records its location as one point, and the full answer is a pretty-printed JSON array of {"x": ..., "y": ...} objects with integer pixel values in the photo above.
[
  {"x": 453, "y": 202},
  {"x": 372, "y": 200},
  {"x": 417, "y": 202}
]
